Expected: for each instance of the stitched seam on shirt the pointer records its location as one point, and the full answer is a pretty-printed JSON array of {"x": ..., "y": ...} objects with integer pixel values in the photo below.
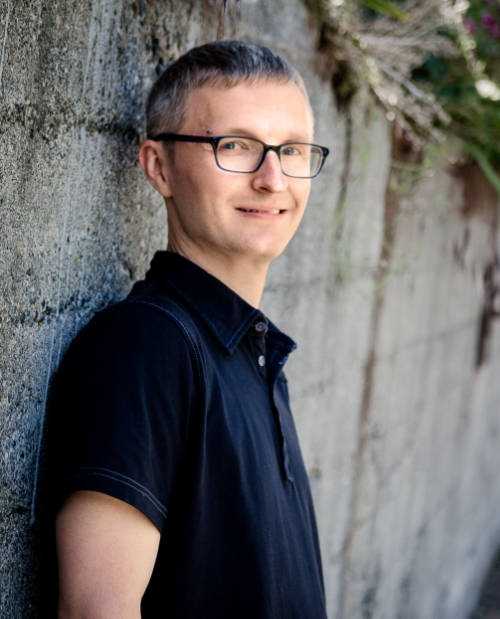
[
  {"x": 115, "y": 476},
  {"x": 207, "y": 318},
  {"x": 199, "y": 366},
  {"x": 185, "y": 330}
]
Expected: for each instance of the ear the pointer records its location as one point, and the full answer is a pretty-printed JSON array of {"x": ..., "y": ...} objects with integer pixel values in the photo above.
[{"x": 156, "y": 165}]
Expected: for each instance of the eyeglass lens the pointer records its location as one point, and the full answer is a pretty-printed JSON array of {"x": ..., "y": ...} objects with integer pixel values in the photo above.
[{"x": 243, "y": 155}]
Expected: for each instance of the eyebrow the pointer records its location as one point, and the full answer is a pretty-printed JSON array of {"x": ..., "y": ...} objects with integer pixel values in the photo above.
[{"x": 294, "y": 137}]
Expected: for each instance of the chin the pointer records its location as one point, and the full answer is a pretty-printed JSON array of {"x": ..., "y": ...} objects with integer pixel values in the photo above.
[
  {"x": 268, "y": 253},
  {"x": 262, "y": 249}
]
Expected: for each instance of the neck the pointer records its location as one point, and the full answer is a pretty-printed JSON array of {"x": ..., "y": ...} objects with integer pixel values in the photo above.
[{"x": 246, "y": 277}]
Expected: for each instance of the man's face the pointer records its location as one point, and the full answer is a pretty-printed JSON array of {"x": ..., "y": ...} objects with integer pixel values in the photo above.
[{"x": 204, "y": 202}]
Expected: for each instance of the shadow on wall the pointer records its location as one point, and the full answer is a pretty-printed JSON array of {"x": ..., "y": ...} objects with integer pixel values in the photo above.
[
  {"x": 45, "y": 506},
  {"x": 489, "y": 600}
]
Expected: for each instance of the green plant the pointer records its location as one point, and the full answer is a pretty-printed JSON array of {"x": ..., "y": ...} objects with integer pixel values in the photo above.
[{"x": 432, "y": 64}]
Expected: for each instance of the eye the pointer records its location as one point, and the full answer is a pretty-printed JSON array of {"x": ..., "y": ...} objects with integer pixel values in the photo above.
[
  {"x": 234, "y": 145},
  {"x": 292, "y": 149}
]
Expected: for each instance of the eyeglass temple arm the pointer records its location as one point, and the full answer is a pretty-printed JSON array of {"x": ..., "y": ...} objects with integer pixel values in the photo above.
[{"x": 176, "y": 137}]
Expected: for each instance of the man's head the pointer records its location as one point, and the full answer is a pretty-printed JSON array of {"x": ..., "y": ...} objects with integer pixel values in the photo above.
[{"x": 228, "y": 88}]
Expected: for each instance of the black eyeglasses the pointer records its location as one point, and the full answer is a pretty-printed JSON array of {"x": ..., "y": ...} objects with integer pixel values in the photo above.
[{"x": 236, "y": 153}]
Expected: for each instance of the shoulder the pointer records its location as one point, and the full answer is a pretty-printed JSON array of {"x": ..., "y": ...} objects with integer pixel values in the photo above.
[
  {"x": 134, "y": 333},
  {"x": 135, "y": 322}
]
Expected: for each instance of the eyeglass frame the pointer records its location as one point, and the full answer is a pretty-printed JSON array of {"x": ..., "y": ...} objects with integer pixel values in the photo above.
[{"x": 214, "y": 141}]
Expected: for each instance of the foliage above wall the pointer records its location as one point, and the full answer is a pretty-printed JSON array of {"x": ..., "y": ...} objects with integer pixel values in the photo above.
[{"x": 433, "y": 64}]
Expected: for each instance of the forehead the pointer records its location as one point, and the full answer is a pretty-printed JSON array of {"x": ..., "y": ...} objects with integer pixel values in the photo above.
[{"x": 268, "y": 110}]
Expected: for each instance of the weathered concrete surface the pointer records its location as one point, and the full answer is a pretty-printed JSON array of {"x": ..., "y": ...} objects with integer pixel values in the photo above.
[
  {"x": 424, "y": 521},
  {"x": 78, "y": 222},
  {"x": 383, "y": 290},
  {"x": 385, "y": 293}
]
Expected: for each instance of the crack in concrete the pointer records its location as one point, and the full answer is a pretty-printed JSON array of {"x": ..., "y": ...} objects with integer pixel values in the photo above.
[
  {"x": 390, "y": 214},
  {"x": 47, "y": 122},
  {"x": 480, "y": 200},
  {"x": 490, "y": 310},
  {"x": 223, "y": 15},
  {"x": 2, "y": 57},
  {"x": 340, "y": 208}
]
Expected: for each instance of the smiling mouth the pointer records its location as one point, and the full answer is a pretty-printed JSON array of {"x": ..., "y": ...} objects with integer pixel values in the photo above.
[{"x": 263, "y": 212}]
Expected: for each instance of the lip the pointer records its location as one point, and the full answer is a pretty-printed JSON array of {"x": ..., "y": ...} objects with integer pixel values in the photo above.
[{"x": 264, "y": 213}]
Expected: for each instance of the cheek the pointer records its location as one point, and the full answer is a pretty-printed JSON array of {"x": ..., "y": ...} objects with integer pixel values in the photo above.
[
  {"x": 189, "y": 187},
  {"x": 204, "y": 196},
  {"x": 301, "y": 193}
]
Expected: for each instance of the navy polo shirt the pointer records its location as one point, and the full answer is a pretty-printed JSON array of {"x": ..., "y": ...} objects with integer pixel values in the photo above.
[{"x": 175, "y": 401}]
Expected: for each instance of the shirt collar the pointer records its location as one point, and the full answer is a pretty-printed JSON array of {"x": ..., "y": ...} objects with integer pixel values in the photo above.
[{"x": 226, "y": 314}]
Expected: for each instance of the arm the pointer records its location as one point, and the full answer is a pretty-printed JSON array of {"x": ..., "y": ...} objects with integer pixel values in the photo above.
[{"x": 106, "y": 552}]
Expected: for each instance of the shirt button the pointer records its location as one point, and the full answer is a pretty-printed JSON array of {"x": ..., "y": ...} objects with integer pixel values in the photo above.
[
  {"x": 261, "y": 360},
  {"x": 260, "y": 326}
]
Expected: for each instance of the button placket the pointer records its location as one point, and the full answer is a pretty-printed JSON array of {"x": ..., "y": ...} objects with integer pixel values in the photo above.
[
  {"x": 281, "y": 410},
  {"x": 260, "y": 330},
  {"x": 274, "y": 362},
  {"x": 260, "y": 326}
]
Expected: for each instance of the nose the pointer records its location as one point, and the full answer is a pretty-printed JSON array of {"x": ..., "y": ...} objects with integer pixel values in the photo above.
[{"x": 269, "y": 176}]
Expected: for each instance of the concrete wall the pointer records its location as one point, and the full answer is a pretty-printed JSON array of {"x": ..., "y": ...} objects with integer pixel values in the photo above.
[{"x": 385, "y": 287}]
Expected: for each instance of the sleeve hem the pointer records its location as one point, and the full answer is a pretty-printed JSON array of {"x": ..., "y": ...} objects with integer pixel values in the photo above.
[{"x": 121, "y": 487}]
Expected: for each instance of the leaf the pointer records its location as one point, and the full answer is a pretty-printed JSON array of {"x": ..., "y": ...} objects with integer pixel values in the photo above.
[
  {"x": 386, "y": 7},
  {"x": 484, "y": 164}
]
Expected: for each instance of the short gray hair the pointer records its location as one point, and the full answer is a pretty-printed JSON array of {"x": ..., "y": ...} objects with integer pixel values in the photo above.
[{"x": 223, "y": 63}]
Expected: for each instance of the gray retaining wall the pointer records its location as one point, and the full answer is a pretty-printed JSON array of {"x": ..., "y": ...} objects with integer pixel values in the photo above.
[{"x": 388, "y": 289}]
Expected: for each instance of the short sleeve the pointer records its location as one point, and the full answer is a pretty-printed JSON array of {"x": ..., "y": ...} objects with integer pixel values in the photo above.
[{"x": 120, "y": 409}]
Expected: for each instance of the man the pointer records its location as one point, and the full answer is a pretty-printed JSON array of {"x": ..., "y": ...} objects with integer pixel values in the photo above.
[{"x": 183, "y": 490}]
